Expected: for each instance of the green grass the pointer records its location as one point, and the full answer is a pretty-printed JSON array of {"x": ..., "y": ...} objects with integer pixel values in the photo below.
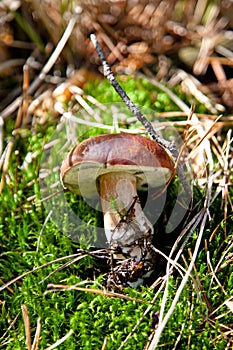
[{"x": 96, "y": 317}]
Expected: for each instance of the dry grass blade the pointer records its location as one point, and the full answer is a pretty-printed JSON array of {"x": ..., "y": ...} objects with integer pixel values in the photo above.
[
  {"x": 56, "y": 287},
  {"x": 6, "y": 285},
  {"x": 213, "y": 273},
  {"x": 49, "y": 64},
  {"x": 3, "y": 338},
  {"x": 1, "y": 136},
  {"x": 60, "y": 341},
  {"x": 191, "y": 86},
  {"x": 179, "y": 335},
  {"x": 27, "y": 326},
  {"x": 199, "y": 288},
  {"x": 42, "y": 230},
  {"x": 35, "y": 344},
  {"x": 143, "y": 316},
  {"x": 226, "y": 254},
  {"x": 163, "y": 319},
  {"x": 204, "y": 137},
  {"x": 229, "y": 304},
  {"x": 5, "y": 159},
  {"x": 104, "y": 346},
  {"x": 64, "y": 266},
  {"x": 203, "y": 151}
]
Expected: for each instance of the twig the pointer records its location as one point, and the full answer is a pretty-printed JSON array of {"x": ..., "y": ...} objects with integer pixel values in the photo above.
[
  {"x": 132, "y": 107},
  {"x": 137, "y": 113}
]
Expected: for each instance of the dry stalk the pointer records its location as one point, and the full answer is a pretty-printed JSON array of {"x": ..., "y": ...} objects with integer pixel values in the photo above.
[
  {"x": 42, "y": 230},
  {"x": 196, "y": 282}
]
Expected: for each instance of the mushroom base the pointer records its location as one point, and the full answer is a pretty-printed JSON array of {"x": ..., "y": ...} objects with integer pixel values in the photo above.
[{"x": 125, "y": 223}]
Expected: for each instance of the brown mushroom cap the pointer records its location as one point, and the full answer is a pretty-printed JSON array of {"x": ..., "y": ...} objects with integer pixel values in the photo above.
[{"x": 131, "y": 153}]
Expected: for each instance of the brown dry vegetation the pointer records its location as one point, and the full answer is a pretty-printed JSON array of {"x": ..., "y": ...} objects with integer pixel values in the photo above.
[{"x": 171, "y": 37}]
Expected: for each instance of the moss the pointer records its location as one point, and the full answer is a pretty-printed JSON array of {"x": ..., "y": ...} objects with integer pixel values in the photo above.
[{"x": 94, "y": 317}]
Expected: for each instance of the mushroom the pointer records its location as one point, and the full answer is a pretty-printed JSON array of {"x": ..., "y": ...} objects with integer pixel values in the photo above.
[{"x": 115, "y": 167}]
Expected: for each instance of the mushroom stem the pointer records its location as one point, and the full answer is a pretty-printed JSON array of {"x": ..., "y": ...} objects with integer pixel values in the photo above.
[{"x": 124, "y": 220}]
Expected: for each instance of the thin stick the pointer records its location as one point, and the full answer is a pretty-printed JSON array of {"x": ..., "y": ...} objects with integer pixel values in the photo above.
[
  {"x": 137, "y": 113},
  {"x": 132, "y": 107}
]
